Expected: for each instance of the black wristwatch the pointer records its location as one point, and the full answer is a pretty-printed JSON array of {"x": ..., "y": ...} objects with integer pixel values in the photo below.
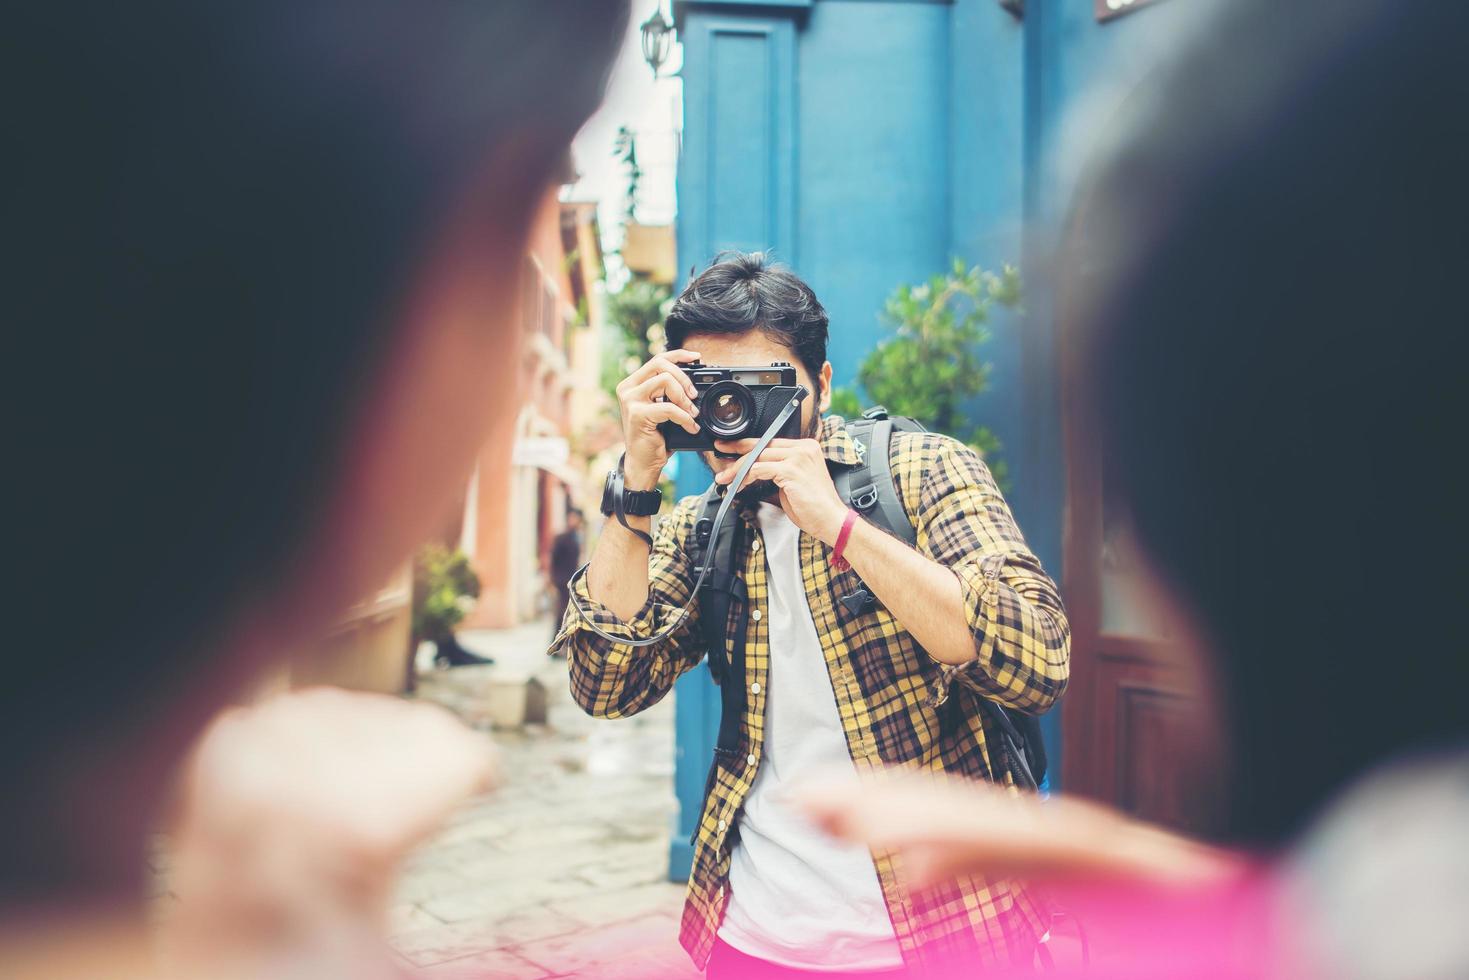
[{"x": 635, "y": 503}]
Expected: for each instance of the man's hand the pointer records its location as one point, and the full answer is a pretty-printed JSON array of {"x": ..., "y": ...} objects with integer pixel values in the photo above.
[
  {"x": 798, "y": 468},
  {"x": 659, "y": 391}
]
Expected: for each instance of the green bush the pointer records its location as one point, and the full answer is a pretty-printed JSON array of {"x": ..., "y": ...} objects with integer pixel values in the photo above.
[
  {"x": 931, "y": 365},
  {"x": 444, "y": 589},
  {"x": 636, "y": 313}
]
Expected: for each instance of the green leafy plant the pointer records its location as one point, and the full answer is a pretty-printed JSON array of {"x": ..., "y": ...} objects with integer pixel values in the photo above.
[
  {"x": 931, "y": 365},
  {"x": 626, "y": 149},
  {"x": 636, "y": 313},
  {"x": 444, "y": 589},
  {"x": 846, "y": 403}
]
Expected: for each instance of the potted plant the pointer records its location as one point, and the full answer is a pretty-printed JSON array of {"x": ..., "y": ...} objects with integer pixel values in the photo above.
[{"x": 445, "y": 588}]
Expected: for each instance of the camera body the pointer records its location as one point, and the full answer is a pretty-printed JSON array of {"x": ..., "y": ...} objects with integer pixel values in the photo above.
[{"x": 735, "y": 403}]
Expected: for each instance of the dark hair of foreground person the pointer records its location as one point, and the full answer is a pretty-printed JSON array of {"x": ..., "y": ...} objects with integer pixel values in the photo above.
[
  {"x": 226, "y": 285},
  {"x": 1270, "y": 284}
]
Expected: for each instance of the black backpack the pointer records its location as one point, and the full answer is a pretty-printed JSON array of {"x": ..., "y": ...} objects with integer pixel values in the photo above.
[{"x": 869, "y": 489}]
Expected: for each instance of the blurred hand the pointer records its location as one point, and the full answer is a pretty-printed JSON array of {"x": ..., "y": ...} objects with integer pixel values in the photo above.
[
  {"x": 798, "y": 468},
  {"x": 945, "y": 826},
  {"x": 659, "y": 391},
  {"x": 296, "y": 814}
]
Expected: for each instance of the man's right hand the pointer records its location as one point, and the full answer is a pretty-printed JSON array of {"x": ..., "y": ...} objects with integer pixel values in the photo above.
[{"x": 659, "y": 391}]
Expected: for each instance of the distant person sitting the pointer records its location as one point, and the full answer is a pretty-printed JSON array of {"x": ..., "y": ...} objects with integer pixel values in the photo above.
[
  {"x": 445, "y": 589},
  {"x": 566, "y": 552}
]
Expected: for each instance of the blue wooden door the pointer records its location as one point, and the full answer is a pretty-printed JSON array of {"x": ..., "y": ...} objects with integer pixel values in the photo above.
[{"x": 735, "y": 191}]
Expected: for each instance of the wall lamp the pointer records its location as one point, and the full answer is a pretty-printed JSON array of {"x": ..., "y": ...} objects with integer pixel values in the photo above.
[{"x": 657, "y": 36}]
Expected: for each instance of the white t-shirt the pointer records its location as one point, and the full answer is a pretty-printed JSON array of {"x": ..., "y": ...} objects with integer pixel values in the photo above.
[{"x": 797, "y": 897}]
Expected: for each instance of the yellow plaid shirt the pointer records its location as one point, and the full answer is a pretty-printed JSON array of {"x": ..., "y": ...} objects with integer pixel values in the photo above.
[{"x": 898, "y": 705}]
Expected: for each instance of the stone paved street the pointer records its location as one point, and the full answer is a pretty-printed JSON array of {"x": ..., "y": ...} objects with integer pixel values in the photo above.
[{"x": 562, "y": 870}]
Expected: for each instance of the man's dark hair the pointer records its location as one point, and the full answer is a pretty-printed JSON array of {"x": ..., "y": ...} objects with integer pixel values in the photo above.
[
  {"x": 1276, "y": 346},
  {"x": 746, "y": 291},
  {"x": 214, "y": 214}
]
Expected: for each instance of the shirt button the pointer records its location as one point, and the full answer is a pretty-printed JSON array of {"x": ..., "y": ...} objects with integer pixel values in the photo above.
[
  {"x": 756, "y": 615},
  {"x": 719, "y": 895},
  {"x": 755, "y": 688},
  {"x": 722, "y": 825},
  {"x": 755, "y": 545},
  {"x": 750, "y": 758}
]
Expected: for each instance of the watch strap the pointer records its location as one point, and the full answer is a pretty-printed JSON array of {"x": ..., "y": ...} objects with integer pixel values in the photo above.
[
  {"x": 635, "y": 503},
  {"x": 641, "y": 503},
  {"x": 618, "y": 501}
]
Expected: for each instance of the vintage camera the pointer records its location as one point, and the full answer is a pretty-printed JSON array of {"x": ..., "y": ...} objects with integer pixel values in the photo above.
[{"x": 735, "y": 403}]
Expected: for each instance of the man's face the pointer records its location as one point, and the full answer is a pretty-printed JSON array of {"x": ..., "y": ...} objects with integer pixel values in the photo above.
[{"x": 755, "y": 348}]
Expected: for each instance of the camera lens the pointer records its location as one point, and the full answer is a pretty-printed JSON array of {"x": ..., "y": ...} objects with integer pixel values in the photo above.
[{"x": 727, "y": 409}]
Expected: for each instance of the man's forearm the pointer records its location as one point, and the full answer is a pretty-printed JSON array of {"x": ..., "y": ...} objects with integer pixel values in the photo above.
[
  {"x": 618, "y": 574},
  {"x": 922, "y": 595}
]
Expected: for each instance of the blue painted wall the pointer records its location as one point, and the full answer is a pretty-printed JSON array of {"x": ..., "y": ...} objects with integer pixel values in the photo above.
[
  {"x": 867, "y": 142},
  {"x": 872, "y": 167},
  {"x": 820, "y": 132}
]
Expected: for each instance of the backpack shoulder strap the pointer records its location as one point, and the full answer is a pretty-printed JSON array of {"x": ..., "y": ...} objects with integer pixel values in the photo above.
[
  {"x": 698, "y": 541},
  {"x": 871, "y": 483},
  {"x": 723, "y": 586},
  {"x": 860, "y": 432},
  {"x": 890, "y": 510},
  {"x": 868, "y": 487},
  {"x": 720, "y": 553},
  {"x": 723, "y": 634}
]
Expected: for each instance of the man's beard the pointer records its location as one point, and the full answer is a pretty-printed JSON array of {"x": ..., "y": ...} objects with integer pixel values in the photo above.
[
  {"x": 763, "y": 490},
  {"x": 758, "y": 492}
]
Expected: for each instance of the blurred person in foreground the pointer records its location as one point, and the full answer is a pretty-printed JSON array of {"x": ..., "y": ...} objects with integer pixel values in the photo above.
[
  {"x": 967, "y": 615},
  {"x": 260, "y": 274},
  {"x": 1267, "y": 279}
]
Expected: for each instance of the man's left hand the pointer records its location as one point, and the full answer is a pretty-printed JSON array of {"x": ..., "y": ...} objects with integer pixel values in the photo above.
[{"x": 798, "y": 468}]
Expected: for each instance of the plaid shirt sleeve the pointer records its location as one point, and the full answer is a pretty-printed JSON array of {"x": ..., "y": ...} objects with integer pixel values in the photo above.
[
  {"x": 614, "y": 680},
  {"x": 1021, "y": 637}
]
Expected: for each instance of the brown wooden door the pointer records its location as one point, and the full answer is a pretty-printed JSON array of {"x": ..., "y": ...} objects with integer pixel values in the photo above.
[{"x": 1135, "y": 730}]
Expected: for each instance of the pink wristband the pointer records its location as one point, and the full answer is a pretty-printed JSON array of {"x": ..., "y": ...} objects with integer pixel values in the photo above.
[{"x": 841, "y": 564}]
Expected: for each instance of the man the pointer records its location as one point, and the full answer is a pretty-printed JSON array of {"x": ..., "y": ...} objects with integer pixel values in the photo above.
[
  {"x": 968, "y": 614},
  {"x": 565, "y": 560}
]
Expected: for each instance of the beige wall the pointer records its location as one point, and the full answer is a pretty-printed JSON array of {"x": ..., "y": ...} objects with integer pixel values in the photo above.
[
  {"x": 650, "y": 251},
  {"x": 367, "y": 651},
  {"x": 365, "y": 655}
]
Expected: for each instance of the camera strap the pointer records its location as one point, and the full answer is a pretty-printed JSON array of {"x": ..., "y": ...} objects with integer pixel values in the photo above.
[{"x": 791, "y": 407}]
